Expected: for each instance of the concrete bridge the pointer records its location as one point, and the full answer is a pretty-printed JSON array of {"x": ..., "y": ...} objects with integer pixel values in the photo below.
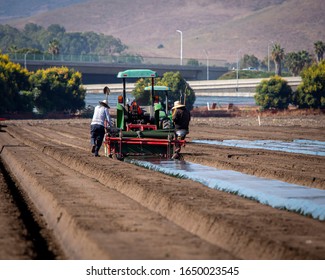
[
  {"x": 99, "y": 73},
  {"x": 240, "y": 87}
]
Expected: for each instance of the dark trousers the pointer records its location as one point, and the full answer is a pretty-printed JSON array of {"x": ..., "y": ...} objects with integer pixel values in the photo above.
[{"x": 97, "y": 135}]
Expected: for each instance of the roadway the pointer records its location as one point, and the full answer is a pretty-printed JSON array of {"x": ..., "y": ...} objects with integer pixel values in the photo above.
[
  {"x": 96, "y": 72},
  {"x": 246, "y": 87}
]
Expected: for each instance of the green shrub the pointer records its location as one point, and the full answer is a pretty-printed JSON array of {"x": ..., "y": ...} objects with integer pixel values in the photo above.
[
  {"x": 177, "y": 85},
  {"x": 57, "y": 89},
  {"x": 273, "y": 93},
  {"x": 13, "y": 84},
  {"x": 311, "y": 92}
]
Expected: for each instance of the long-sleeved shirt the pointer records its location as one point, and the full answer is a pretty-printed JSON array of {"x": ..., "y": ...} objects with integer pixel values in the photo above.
[
  {"x": 101, "y": 114},
  {"x": 181, "y": 118}
]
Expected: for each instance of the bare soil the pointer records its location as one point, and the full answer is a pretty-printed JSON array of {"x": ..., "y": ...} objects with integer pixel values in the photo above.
[{"x": 100, "y": 208}]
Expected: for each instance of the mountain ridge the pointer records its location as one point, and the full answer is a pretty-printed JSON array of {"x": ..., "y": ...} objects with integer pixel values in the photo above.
[{"x": 214, "y": 29}]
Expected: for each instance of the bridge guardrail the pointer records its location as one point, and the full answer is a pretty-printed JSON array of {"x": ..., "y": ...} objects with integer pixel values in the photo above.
[
  {"x": 211, "y": 87},
  {"x": 112, "y": 59}
]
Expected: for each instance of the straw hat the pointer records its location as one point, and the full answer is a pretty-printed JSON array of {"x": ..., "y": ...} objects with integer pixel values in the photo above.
[
  {"x": 177, "y": 104},
  {"x": 104, "y": 103}
]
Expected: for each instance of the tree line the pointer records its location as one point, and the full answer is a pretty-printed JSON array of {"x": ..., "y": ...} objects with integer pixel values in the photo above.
[
  {"x": 275, "y": 93},
  {"x": 55, "y": 40},
  {"x": 292, "y": 62},
  {"x": 59, "y": 89},
  {"x": 56, "y": 89}
]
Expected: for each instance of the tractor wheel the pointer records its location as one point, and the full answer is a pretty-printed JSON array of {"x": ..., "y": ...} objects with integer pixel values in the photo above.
[
  {"x": 118, "y": 156},
  {"x": 115, "y": 155}
]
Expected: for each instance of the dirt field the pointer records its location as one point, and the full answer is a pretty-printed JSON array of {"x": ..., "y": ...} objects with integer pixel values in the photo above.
[{"x": 100, "y": 208}]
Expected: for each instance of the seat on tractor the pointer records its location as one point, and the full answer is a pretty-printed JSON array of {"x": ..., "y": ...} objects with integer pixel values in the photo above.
[{"x": 122, "y": 114}]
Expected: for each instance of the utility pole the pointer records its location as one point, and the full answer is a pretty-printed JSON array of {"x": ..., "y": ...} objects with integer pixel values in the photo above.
[
  {"x": 206, "y": 54},
  {"x": 181, "y": 45}
]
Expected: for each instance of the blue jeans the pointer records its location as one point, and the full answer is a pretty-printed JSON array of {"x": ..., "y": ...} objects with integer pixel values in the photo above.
[{"x": 97, "y": 135}]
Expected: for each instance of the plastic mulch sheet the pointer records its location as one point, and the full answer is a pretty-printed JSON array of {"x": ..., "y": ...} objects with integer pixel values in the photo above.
[{"x": 277, "y": 194}]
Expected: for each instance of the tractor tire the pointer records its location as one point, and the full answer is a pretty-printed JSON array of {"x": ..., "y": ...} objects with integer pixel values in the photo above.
[{"x": 117, "y": 156}]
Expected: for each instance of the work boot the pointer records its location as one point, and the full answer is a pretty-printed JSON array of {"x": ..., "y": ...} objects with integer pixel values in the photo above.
[{"x": 93, "y": 149}]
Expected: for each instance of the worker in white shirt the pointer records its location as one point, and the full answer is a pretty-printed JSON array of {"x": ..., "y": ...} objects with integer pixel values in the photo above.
[{"x": 100, "y": 121}]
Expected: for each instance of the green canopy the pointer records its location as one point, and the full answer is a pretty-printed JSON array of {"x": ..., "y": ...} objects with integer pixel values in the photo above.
[{"x": 137, "y": 73}]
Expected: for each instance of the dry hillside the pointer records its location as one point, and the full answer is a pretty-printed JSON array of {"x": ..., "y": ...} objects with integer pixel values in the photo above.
[{"x": 221, "y": 27}]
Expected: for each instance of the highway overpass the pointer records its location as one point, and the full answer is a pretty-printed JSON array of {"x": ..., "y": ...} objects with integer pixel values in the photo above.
[
  {"x": 240, "y": 87},
  {"x": 99, "y": 73}
]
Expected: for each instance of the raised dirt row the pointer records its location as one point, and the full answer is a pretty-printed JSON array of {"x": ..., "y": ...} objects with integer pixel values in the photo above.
[
  {"x": 14, "y": 243},
  {"x": 103, "y": 208}
]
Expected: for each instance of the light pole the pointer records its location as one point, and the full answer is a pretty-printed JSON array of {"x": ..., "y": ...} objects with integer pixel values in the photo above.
[
  {"x": 237, "y": 74},
  {"x": 206, "y": 54},
  {"x": 25, "y": 58},
  {"x": 181, "y": 45},
  {"x": 268, "y": 55}
]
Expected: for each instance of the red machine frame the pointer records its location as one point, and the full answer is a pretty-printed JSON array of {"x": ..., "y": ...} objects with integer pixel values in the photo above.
[{"x": 114, "y": 145}]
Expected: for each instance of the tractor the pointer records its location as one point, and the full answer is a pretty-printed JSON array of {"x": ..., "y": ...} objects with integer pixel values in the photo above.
[{"x": 142, "y": 130}]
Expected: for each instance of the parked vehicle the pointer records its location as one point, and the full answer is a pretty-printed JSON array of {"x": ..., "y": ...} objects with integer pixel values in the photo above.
[{"x": 250, "y": 69}]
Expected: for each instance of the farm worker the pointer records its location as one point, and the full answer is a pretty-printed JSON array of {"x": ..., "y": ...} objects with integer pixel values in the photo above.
[
  {"x": 181, "y": 118},
  {"x": 156, "y": 99},
  {"x": 100, "y": 121},
  {"x": 135, "y": 108},
  {"x": 135, "y": 112},
  {"x": 120, "y": 99},
  {"x": 120, "y": 102}
]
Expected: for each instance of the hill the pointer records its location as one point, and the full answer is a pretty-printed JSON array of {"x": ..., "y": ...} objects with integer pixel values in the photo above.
[{"x": 219, "y": 28}]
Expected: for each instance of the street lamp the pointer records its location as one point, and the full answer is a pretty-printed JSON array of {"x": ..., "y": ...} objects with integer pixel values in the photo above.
[
  {"x": 206, "y": 54},
  {"x": 268, "y": 55},
  {"x": 25, "y": 58},
  {"x": 237, "y": 69},
  {"x": 181, "y": 45}
]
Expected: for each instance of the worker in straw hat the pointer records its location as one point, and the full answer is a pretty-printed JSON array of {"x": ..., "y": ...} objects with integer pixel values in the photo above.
[
  {"x": 181, "y": 116},
  {"x": 181, "y": 119},
  {"x": 100, "y": 121}
]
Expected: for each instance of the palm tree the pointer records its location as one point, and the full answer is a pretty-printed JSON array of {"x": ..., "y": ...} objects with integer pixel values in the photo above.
[
  {"x": 277, "y": 56},
  {"x": 305, "y": 59},
  {"x": 296, "y": 62},
  {"x": 291, "y": 62},
  {"x": 319, "y": 50}
]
